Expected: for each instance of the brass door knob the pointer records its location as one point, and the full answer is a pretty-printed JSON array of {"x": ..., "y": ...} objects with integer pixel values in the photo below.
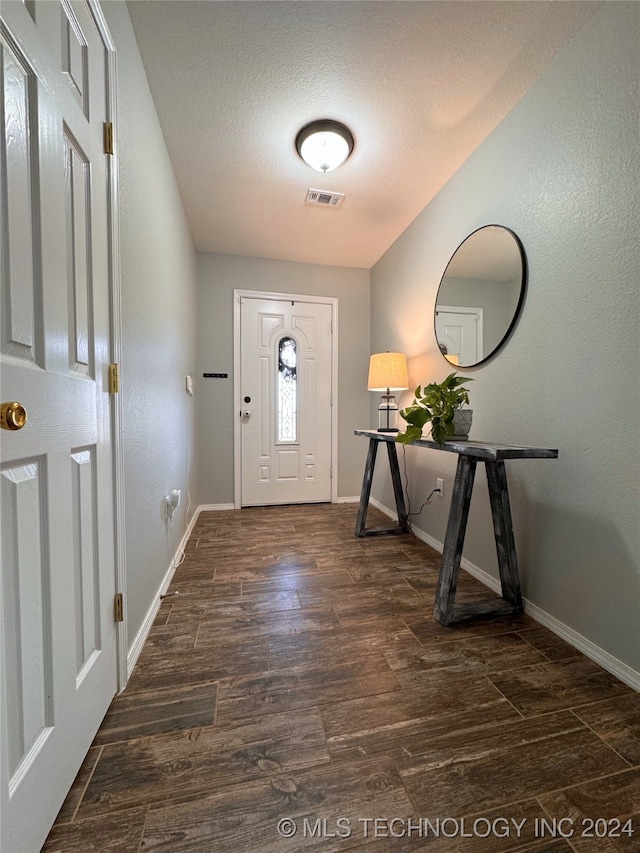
[{"x": 13, "y": 416}]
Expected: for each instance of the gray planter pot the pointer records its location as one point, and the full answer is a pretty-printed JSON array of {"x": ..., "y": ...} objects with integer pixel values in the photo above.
[{"x": 462, "y": 424}]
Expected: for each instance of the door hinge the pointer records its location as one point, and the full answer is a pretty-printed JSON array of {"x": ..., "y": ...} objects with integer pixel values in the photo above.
[
  {"x": 114, "y": 379},
  {"x": 331, "y": 473},
  {"x": 108, "y": 137},
  {"x": 118, "y": 608}
]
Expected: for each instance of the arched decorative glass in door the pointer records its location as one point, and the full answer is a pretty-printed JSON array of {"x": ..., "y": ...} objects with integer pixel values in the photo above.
[{"x": 287, "y": 391}]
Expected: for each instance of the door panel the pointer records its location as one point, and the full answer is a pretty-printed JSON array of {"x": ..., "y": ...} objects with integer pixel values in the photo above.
[
  {"x": 286, "y": 434},
  {"x": 73, "y": 59},
  {"x": 85, "y": 558},
  {"x": 460, "y": 330},
  {"x": 25, "y": 594},
  {"x": 19, "y": 320},
  {"x": 57, "y": 577},
  {"x": 78, "y": 232}
]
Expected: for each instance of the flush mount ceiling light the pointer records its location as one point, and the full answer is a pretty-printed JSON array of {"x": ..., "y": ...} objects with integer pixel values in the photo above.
[{"x": 324, "y": 144}]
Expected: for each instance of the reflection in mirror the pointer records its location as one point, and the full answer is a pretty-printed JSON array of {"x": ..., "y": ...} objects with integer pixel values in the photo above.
[{"x": 480, "y": 295}]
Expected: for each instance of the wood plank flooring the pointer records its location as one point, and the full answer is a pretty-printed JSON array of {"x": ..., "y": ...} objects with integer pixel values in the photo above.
[{"x": 299, "y": 676}]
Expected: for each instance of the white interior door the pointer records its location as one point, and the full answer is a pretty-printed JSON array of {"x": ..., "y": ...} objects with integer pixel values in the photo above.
[
  {"x": 461, "y": 331},
  {"x": 58, "y": 658},
  {"x": 286, "y": 392}
]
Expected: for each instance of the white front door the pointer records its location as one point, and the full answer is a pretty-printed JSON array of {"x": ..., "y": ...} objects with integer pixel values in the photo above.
[
  {"x": 460, "y": 330},
  {"x": 286, "y": 399},
  {"x": 58, "y": 658}
]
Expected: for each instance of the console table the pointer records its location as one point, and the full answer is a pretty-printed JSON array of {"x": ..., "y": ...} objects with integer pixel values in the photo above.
[{"x": 469, "y": 454}]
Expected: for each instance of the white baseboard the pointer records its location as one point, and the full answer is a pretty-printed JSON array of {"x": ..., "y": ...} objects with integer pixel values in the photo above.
[
  {"x": 214, "y": 508},
  {"x": 588, "y": 648},
  {"x": 385, "y": 509},
  {"x": 143, "y": 633},
  {"x": 354, "y": 499},
  {"x": 597, "y": 654}
]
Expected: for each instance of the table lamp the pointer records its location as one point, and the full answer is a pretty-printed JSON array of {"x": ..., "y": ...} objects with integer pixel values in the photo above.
[{"x": 387, "y": 373}]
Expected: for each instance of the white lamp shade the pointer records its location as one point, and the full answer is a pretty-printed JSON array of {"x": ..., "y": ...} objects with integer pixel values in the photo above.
[
  {"x": 324, "y": 151},
  {"x": 388, "y": 370},
  {"x": 325, "y": 144}
]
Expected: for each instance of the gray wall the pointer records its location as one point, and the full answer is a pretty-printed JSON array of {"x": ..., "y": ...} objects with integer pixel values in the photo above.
[
  {"x": 158, "y": 339},
  {"x": 562, "y": 171},
  {"x": 218, "y": 277}
]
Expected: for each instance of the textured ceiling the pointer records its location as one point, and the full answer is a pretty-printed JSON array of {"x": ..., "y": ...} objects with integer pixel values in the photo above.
[{"x": 420, "y": 84}]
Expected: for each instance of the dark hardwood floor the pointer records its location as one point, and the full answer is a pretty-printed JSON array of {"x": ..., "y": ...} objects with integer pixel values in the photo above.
[{"x": 299, "y": 682}]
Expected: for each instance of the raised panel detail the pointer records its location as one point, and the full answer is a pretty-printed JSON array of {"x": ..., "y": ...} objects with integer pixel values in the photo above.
[
  {"x": 265, "y": 473},
  {"x": 85, "y": 557},
  {"x": 269, "y": 324},
  {"x": 309, "y": 471},
  {"x": 26, "y": 689},
  {"x": 20, "y": 286},
  {"x": 287, "y": 464},
  {"x": 267, "y": 406},
  {"x": 306, "y": 326},
  {"x": 77, "y": 201},
  {"x": 310, "y": 405},
  {"x": 75, "y": 68}
]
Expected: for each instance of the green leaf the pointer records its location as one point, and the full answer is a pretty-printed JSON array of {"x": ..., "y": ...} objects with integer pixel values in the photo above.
[
  {"x": 413, "y": 433},
  {"x": 439, "y": 433},
  {"x": 416, "y": 416}
]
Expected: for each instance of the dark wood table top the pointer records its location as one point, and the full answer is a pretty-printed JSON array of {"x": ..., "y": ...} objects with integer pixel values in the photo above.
[{"x": 488, "y": 450}]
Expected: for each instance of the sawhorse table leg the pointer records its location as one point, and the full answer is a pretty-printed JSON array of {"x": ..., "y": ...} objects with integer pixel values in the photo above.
[
  {"x": 444, "y": 609},
  {"x": 365, "y": 494},
  {"x": 503, "y": 532}
]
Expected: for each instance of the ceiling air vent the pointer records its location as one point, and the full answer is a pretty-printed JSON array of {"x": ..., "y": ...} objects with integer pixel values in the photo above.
[{"x": 324, "y": 198}]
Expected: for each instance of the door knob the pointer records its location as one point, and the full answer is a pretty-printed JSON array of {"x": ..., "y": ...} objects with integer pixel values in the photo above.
[
  {"x": 13, "y": 416},
  {"x": 246, "y": 413}
]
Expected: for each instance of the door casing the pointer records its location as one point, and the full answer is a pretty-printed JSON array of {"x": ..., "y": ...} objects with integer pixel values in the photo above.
[
  {"x": 237, "y": 389},
  {"x": 477, "y": 315}
]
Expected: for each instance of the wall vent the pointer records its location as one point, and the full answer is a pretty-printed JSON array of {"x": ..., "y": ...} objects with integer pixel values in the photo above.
[{"x": 324, "y": 198}]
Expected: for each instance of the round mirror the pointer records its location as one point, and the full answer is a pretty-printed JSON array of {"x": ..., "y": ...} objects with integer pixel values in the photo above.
[{"x": 480, "y": 295}]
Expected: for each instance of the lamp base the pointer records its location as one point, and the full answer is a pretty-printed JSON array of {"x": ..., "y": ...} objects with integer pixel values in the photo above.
[{"x": 388, "y": 413}]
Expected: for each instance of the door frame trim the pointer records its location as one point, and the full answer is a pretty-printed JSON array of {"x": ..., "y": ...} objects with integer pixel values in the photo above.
[
  {"x": 238, "y": 295},
  {"x": 467, "y": 311},
  {"x": 115, "y": 345}
]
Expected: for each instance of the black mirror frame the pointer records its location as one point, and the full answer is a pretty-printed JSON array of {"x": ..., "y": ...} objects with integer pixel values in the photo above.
[{"x": 519, "y": 306}]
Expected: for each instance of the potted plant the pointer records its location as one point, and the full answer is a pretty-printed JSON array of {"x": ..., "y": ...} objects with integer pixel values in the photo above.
[{"x": 439, "y": 404}]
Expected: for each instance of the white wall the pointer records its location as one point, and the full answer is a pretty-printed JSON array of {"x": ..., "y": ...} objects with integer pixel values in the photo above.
[
  {"x": 561, "y": 170},
  {"x": 218, "y": 277},
  {"x": 158, "y": 302}
]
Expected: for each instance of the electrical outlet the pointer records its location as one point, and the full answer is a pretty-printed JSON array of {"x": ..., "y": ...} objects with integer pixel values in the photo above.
[
  {"x": 440, "y": 485},
  {"x": 168, "y": 507},
  {"x": 172, "y": 502}
]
